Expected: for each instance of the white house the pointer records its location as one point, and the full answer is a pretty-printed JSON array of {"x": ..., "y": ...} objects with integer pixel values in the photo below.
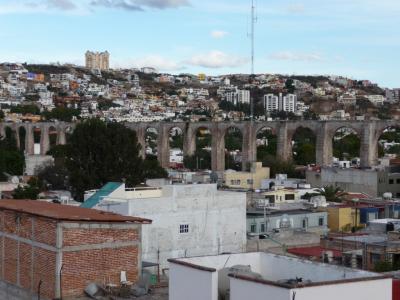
[
  {"x": 265, "y": 276},
  {"x": 188, "y": 219}
]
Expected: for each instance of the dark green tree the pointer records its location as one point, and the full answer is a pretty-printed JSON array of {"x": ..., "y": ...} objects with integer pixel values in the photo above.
[
  {"x": 62, "y": 114},
  {"x": 12, "y": 160},
  {"x": 100, "y": 152},
  {"x": 30, "y": 191},
  {"x": 332, "y": 194}
]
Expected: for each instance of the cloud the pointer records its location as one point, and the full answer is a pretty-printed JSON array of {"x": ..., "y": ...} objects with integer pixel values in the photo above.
[
  {"x": 216, "y": 59},
  {"x": 218, "y": 34},
  {"x": 296, "y": 8},
  {"x": 154, "y": 61},
  {"x": 61, "y": 4},
  {"x": 288, "y": 55},
  {"x": 139, "y": 5}
]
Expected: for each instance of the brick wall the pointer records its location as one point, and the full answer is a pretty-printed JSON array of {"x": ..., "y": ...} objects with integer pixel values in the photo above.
[{"x": 89, "y": 253}]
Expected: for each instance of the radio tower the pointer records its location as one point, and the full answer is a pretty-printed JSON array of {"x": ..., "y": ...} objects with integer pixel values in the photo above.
[{"x": 253, "y": 22}]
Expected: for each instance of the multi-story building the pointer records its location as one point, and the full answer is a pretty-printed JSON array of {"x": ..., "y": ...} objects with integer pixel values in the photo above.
[
  {"x": 286, "y": 103},
  {"x": 97, "y": 60},
  {"x": 246, "y": 180},
  {"x": 188, "y": 219},
  {"x": 238, "y": 97},
  {"x": 376, "y": 99}
]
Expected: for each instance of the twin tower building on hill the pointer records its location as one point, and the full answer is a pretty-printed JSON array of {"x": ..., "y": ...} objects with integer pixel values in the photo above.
[{"x": 97, "y": 60}]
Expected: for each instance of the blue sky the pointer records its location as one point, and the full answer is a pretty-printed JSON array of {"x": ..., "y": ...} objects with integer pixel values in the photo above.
[{"x": 355, "y": 38}]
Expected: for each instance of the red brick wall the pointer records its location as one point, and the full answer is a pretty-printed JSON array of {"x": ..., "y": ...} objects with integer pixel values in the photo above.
[
  {"x": 101, "y": 266},
  {"x": 80, "y": 267},
  {"x": 79, "y": 236}
]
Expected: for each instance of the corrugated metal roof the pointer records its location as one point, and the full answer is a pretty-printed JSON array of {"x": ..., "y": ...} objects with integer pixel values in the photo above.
[
  {"x": 106, "y": 190},
  {"x": 66, "y": 212}
]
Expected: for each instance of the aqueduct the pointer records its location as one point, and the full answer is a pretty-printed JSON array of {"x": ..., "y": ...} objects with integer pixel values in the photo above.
[{"x": 46, "y": 134}]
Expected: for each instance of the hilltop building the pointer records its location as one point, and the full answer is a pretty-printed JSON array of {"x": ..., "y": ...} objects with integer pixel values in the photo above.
[{"x": 97, "y": 60}]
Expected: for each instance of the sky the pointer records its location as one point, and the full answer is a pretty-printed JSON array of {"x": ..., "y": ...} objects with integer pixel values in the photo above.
[{"x": 359, "y": 39}]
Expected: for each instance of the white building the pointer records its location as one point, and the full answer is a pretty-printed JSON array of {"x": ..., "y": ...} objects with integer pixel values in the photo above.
[
  {"x": 239, "y": 96},
  {"x": 286, "y": 103},
  {"x": 188, "y": 219},
  {"x": 265, "y": 276},
  {"x": 376, "y": 99}
]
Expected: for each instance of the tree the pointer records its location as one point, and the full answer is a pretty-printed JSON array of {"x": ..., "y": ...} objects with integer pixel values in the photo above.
[
  {"x": 331, "y": 193},
  {"x": 12, "y": 160},
  {"x": 54, "y": 177},
  {"x": 1, "y": 115},
  {"x": 99, "y": 152},
  {"x": 26, "y": 109},
  {"x": 62, "y": 114},
  {"x": 277, "y": 166},
  {"x": 31, "y": 191}
]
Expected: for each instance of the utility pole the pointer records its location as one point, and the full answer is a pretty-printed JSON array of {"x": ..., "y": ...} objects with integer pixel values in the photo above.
[{"x": 252, "y": 37}]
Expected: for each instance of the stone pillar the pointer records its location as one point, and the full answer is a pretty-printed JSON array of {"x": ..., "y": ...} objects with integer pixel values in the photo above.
[
  {"x": 189, "y": 141},
  {"x": 61, "y": 137},
  {"x": 249, "y": 148},
  {"x": 323, "y": 149},
  {"x": 284, "y": 144},
  {"x": 29, "y": 141},
  {"x": 163, "y": 146},
  {"x": 44, "y": 140},
  {"x": 369, "y": 144},
  {"x": 141, "y": 138},
  {"x": 217, "y": 149}
]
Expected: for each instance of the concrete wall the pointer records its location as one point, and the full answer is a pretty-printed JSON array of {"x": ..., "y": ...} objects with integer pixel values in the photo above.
[
  {"x": 188, "y": 283},
  {"x": 216, "y": 219},
  {"x": 350, "y": 180},
  {"x": 365, "y": 290},
  {"x": 241, "y": 289}
]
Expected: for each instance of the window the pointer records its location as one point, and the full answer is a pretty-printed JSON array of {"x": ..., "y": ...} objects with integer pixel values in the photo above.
[
  {"x": 249, "y": 181},
  {"x": 321, "y": 221},
  {"x": 253, "y": 228},
  {"x": 398, "y": 180},
  {"x": 391, "y": 181},
  {"x": 184, "y": 228},
  {"x": 262, "y": 227},
  {"x": 304, "y": 223},
  {"x": 235, "y": 182},
  {"x": 289, "y": 196}
]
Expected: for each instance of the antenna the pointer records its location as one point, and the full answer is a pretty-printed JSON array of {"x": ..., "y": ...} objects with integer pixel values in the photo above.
[{"x": 252, "y": 36}]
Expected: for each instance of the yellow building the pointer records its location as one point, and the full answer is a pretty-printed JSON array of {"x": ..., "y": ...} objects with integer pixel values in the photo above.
[
  {"x": 247, "y": 180},
  {"x": 281, "y": 195},
  {"x": 201, "y": 77},
  {"x": 342, "y": 218}
]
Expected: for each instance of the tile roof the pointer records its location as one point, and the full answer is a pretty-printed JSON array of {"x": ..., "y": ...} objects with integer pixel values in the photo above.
[{"x": 66, "y": 212}]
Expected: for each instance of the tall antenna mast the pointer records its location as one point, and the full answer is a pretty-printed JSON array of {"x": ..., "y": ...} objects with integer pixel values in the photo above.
[{"x": 253, "y": 22}]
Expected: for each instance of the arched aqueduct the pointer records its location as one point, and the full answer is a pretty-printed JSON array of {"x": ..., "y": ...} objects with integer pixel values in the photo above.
[{"x": 368, "y": 131}]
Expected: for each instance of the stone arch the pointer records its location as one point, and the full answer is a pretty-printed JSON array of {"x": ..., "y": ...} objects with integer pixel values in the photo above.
[
  {"x": 346, "y": 144},
  {"x": 303, "y": 145},
  {"x": 175, "y": 147},
  {"x": 151, "y": 135},
  {"x": 22, "y": 134},
  {"x": 266, "y": 142},
  {"x": 53, "y": 136},
  {"x": 198, "y": 148},
  {"x": 234, "y": 147},
  {"x": 387, "y": 140},
  {"x": 37, "y": 133}
]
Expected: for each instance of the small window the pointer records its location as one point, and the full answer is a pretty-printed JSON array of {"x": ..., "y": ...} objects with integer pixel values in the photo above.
[
  {"x": 304, "y": 223},
  {"x": 262, "y": 227},
  {"x": 321, "y": 221},
  {"x": 391, "y": 181},
  {"x": 184, "y": 228},
  {"x": 253, "y": 228},
  {"x": 249, "y": 181},
  {"x": 398, "y": 180}
]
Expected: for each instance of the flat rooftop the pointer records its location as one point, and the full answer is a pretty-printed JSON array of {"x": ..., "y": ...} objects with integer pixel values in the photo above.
[
  {"x": 279, "y": 270},
  {"x": 66, "y": 212},
  {"x": 278, "y": 212}
]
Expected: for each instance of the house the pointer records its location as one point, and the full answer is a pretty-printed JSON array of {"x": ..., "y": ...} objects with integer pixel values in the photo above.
[
  {"x": 261, "y": 221},
  {"x": 246, "y": 180},
  {"x": 188, "y": 219},
  {"x": 60, "y": 249},
  {"x": 265, "y": 276}
]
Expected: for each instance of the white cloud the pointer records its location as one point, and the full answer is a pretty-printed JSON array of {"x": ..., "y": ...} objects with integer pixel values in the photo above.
[
  {"x": 297, "y": 8},
  {"x": 156, "y": 61},
  {"x": 139, "y": 5},
  {"x": 216, "y": 59},
  {"x": 292, "y": 56},
  {"x": 218, "y": 34}
]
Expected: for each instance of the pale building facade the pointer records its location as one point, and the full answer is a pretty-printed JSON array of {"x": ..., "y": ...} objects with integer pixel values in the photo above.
[
  {"x": 188, "y": 219},
  {"x": 246, "y": 180},
  {"x": 97, "y": 60}
]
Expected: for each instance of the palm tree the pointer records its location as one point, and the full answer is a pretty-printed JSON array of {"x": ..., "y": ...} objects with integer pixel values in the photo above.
[{"x": 331, "y": 193}]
